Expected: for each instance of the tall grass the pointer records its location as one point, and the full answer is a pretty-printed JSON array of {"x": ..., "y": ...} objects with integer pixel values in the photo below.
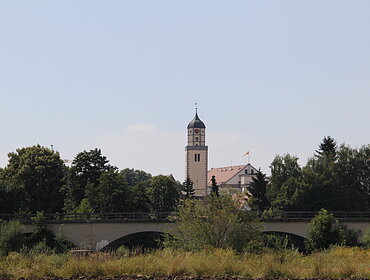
[{"x": 337, "y": 262}]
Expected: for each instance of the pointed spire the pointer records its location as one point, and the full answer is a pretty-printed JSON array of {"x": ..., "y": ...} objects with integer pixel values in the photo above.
[{"x": 196, "y": 122}]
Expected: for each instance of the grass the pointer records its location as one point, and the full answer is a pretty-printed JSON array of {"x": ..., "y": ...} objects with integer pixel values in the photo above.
[{"x": 339, "y": 262}]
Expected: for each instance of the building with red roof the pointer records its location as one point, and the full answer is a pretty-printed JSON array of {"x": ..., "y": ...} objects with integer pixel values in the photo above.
[{"x": 232, "y": 179}]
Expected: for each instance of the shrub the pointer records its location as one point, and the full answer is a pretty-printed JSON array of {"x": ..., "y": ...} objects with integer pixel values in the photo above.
[
  {"x": 122, "y": 252},
  {"x": 215, "y": 222},
  {"x": 324, "y": 231},
  {"x": 44, "y": 236},
  {"x": 11, "y": 237},
  {"x": 366, "y": 238}
]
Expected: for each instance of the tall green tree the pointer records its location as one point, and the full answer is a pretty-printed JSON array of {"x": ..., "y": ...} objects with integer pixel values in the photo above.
[
  {"x": 110, "y": 194},
  {"x": 86, "y": 169},
  {"x": 352, "y": 178},
  {"x": 133, "y": 176},
  {"x": 35, "y": 174},
  {"x": 258, "y": 190},
  {"x": 337, "y": 178},
  {"x": 140, "y": 197},
  {"x": 163, "y": 193},
  {"x": 187, "y": 188},
  {"x": 287, "y": 190}
]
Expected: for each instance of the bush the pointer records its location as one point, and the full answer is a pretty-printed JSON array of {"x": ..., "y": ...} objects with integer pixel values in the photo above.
[
  {"x": 215, "y": 222},
  {"x": 11, "y": 237},
  {"x": 123, "y": 252},
  {"x": 366, "y": 238},
  {"x": 44, "y": 236},
  {"x": 324, "y": 231}
]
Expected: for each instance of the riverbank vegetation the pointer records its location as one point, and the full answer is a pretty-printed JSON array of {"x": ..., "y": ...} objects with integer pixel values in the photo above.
[{"x": 337, "y": 262}]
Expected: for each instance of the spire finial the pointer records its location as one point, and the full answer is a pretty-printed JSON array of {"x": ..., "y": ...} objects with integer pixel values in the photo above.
[{"x": 196, "y": 107}]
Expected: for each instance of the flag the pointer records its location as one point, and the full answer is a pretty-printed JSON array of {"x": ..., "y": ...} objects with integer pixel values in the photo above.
[{"x": 247, "y": 153}]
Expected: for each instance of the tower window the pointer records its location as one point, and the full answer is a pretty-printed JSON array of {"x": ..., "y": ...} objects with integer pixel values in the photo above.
[
  {"x": 197, "y": 157},
  {"x": 196, "y": 138}
]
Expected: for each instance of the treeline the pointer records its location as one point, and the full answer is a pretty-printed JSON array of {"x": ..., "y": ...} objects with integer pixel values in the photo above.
[
  {"x": 335, "y": 178},
  {"x": 37, "y": 179}
]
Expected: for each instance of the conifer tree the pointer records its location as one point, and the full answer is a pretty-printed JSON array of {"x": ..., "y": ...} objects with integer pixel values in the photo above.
[
  {"x": 327, "y": 148},
  {"x": 215, "y": 189},
  {"x": 258, "y": 189},
  {"x": 187, "y": 188}
]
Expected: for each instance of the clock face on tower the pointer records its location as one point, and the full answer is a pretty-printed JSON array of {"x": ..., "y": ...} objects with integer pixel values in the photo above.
[{"x": 196, "y": 131}]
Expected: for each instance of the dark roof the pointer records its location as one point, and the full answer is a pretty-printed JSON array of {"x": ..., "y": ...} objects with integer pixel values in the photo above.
[{"x": 196, "y": 122}]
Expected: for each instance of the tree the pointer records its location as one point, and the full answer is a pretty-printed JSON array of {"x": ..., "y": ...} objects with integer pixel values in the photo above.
[
  {"x": 351, "y": 173},
  {"x": 258, "y": 190},
  {"x": 287, "y": 189},
  {"x": 340, "y": 183},
  {"x": 86, "y": 169},
  {"x": 327, "y": 148},
  {"x": 34, "y": 176},
  {"x": 163, "y": 193},
  {"x": 187, "y": 188},
  {"x": 139, "y": 197},
  {"x": 215, "y": 188},
  {"x": 110, "y": 194},
  {"x": 133, "y": 177},
  {"x": 215, "y": 222},
  {"x": 138, "y": 183},
  {"x": 324, "y": 230}
]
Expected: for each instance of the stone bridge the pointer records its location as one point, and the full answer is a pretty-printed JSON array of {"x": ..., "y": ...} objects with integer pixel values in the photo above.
[{"x": 95, "y": 231}]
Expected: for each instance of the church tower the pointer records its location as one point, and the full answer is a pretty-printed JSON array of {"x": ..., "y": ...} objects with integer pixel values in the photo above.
[{"x": 197, "y": 156}]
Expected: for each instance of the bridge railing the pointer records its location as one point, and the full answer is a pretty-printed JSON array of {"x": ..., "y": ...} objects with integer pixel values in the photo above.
[
  {"x": 308, "y": 215},
  {"x": 89, "y": 217},
  {"x": 165, "y": 216}
]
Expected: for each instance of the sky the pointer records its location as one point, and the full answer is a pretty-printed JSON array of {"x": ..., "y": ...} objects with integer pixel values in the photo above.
[{"x": 269, "y": 77}]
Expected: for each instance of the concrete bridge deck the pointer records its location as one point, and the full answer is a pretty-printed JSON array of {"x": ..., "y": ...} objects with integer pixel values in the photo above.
[{"x": 94, "y": 231}]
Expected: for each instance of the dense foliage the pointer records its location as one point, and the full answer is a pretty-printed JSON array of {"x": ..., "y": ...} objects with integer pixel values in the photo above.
[
  {"x": 36, "y": 179},
  {"x": 42, "y": 239},
  {"x": 32, "y": 181},
  {"x": 215, "y": 222},
  {"x": 337, "y": 179},
  {"x": 324, "y": 231},
  {"x": 11, "y": 237}
]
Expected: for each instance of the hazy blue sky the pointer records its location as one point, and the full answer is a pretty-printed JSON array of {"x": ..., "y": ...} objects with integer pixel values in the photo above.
[{"x": 270, "y": 77}]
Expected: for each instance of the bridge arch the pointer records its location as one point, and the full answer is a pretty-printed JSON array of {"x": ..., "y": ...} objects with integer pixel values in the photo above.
[
  {"x": 291, "y": 239},
  {"x": 143, "y": 239}
]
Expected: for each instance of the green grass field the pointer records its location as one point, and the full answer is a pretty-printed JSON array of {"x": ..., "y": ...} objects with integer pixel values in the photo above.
[{"x": 337, "y": 263}]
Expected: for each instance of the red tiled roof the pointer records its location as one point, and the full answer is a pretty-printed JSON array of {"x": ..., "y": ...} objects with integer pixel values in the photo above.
[{"x": 224, "y": 174}]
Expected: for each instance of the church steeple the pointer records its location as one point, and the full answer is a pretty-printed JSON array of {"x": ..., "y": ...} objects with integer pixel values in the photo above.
[
  {"x": 196, "y": 122},
  {"x": 197, "y": 155},
  {"x": 196, "y": 132}
]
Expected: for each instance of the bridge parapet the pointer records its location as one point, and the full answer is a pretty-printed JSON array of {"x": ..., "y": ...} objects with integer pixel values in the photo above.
[
  {"x": 133, "y": 217},
  {"x": 343, "y": 216},
  {"x": 56, "y": 218}
]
